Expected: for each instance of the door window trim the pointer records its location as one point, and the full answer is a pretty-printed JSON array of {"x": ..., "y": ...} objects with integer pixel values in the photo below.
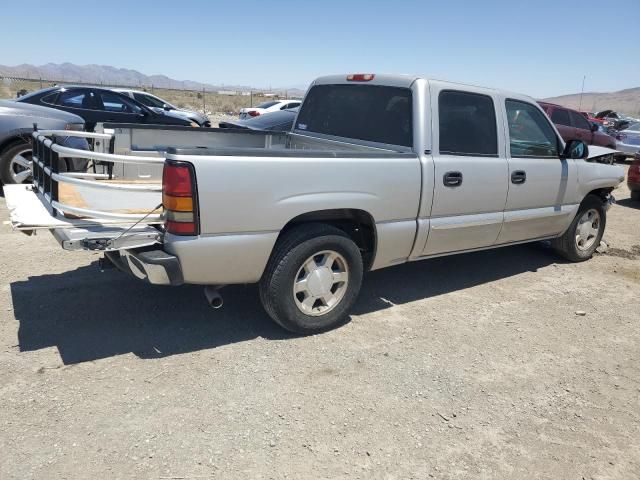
[{"x": 545, "y": 118}]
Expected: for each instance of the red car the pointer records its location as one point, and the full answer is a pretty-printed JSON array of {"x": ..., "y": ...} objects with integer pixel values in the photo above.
[
  {"x": 633, "y": 177},
  {"x": 573, "y": 126}
]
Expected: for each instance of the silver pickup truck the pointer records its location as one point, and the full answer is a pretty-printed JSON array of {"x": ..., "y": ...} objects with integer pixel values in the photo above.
[{"x": 378, "y": 170}]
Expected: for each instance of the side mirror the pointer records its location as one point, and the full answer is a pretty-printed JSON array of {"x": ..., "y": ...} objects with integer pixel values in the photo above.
[
  {"x": 594, "y": 127},
  {"x": 166, "y": 107},
  {"x": 575, "y": 149}
]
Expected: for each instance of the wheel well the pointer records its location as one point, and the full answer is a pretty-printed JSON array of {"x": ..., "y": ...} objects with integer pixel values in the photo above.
[
  {"x": 603, "y": 193},
  {"x": 9, "y": 142},
  {"x": 358, "y": 224}
]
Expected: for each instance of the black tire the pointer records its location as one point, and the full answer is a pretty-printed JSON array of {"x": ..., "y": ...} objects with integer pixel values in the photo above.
[
  {"x": 291, "y": 251},
  {"x": 566, "y": 245},
  {"x": 635, "y": 195},
  {"x": 64, "y": 165},
  {"x": 5, "y": 161}
]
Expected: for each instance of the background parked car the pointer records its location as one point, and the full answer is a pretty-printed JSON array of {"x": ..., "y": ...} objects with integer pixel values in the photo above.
[
  {"x": 100, "y": 105},
  {"x": 573, "y": 126},
  {"x": 272, "y": 106},
  {"x": 628, "y": 140},
  {"x": 16, "y": 125},
  {"x": 280, "y": 121},
  {"x": 633, "y": 177},
  {"x": 159, "y": 105}
]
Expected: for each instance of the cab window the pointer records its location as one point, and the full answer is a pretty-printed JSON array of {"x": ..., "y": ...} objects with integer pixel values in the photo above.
[
  {"x": 530, "y": 133},
  {"x": 467, "y": 124}
]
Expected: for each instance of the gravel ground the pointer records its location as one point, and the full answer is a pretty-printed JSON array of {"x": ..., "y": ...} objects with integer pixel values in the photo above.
[{"x": 500, "y": 364}]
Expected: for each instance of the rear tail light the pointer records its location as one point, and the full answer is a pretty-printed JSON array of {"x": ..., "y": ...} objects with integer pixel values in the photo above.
[
  {"x": 253, "y": 113},
  {"x": 179, "y": 198},
  {"x": 360, "y": 77}
]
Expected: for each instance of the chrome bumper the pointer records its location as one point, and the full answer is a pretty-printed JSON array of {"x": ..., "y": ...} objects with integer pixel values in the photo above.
[{"x": 154, "y": 266}]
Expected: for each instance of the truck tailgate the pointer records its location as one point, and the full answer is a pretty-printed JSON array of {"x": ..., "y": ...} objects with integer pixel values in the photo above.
[{"x": 28, "y": 212}]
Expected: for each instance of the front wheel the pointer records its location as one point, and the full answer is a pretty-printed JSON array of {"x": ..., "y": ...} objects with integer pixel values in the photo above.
[
  {"x": 585, "y": 232},
  {"x": 312, "y": 279},
  {"x": 15, "y": 164}
]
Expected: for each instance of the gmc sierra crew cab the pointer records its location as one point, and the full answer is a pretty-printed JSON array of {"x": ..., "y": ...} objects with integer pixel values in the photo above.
[{"x": 377, "y": 170}]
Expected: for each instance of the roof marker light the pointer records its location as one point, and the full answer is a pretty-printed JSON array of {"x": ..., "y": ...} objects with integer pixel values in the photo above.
[{"x": 360, "y": 77}]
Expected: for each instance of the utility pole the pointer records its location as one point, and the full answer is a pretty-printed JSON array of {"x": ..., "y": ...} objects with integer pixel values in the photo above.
[{"x": 581, "y": 93}]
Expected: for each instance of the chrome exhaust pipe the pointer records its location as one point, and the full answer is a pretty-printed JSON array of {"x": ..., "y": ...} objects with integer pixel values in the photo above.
[{"x": 214, "y": 299}]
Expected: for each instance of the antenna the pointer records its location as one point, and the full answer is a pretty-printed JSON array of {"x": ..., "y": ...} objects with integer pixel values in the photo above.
[{"x": 582, "y": 92}]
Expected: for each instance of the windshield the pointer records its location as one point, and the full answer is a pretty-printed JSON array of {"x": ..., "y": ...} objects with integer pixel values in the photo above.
[
  {"x": 150, "y": 100},
  {"x": 365, "y": 112}
]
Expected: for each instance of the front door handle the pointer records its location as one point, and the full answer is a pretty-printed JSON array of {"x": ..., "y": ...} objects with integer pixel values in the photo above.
[
  {"x": 452, "y": 179},
  {"x": 518, "y": 177}
]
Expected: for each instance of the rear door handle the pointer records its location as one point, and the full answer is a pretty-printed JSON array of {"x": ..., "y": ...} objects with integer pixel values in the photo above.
[
  {"x": 452, "y": 179},
  {"x": 518, "y": 177}
]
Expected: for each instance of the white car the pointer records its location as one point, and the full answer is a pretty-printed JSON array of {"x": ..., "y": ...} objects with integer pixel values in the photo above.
[
  {"x": 267, "y": 107},
  {"x": 628, "y": 140}
]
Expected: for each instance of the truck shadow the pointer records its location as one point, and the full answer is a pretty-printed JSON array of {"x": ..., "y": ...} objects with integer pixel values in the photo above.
[
  {"x": 89, "y": 316},
  {"x": 629, "y": 203}
]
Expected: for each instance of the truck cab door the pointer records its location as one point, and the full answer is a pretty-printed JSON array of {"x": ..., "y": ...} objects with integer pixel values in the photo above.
[
  {"x": 470, "y": 170},
  {"x": 542, "y": 187}
]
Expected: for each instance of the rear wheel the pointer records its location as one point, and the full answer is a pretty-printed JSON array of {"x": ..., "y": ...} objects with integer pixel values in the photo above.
[
  {"x": 635, "y": 195},
  {"x": 312, "y": 279},
  {"x": 585, "y": 232}
]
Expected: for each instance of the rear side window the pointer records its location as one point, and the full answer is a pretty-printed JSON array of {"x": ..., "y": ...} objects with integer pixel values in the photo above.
[
  {"x": 50, "y": 99},
  {"x": 372, "y": 113},
  {"x": 560, "y": 116},
  {"x": 579, "y": 121},
  {"x": 530, "y": 133},
  {"x": 467, "y": 124},
  {"x": 76, "y": 99}
]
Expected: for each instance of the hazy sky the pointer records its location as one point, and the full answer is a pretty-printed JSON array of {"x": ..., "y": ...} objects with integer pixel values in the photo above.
[{"x": 538, "y": 47}]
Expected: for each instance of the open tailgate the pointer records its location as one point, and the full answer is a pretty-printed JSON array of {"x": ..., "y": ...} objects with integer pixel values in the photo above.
[{"x": 90, "y": 211}]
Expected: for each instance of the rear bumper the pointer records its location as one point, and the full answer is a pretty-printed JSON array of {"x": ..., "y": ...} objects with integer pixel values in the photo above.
[{"x": 153, "y": 266}]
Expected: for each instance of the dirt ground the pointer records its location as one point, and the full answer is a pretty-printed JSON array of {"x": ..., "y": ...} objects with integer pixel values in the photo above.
[{"x": 474, "y": 366}]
